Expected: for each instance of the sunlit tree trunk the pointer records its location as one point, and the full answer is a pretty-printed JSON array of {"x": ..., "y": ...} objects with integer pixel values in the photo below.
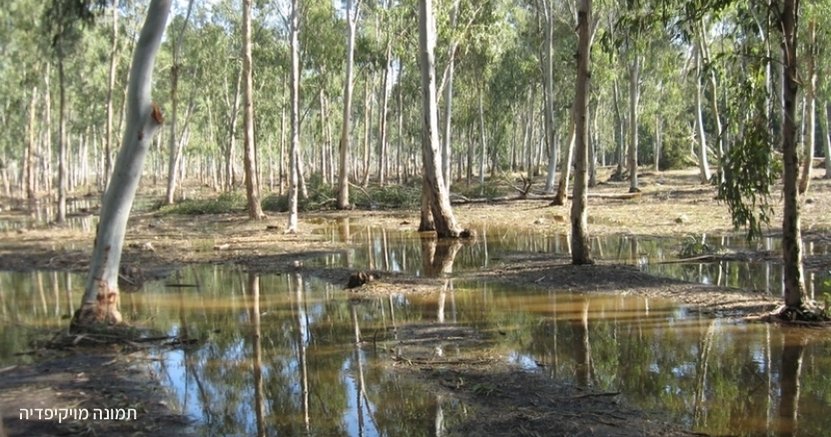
[
  {"x": 565, "y": 165},
  {"x": 31, "y": 152},
  {"x": 108, "y": 141},
  {"x": 446, "y": 147},
  {"x": 252, "y": 185},
  {"x": 294, "y": 149},
  {"x": 101, "y": 295},
  {"x": 795, "y": 294},
  {"x": 62, "y": 146},
  {"x": 703, "y": 164},
  {"x": 437, "y": 196},
  {"x": 545, "y": 8},
  {"x": 580, "y": 244},
  {"x": 343, "y": 177},
  {"x": 382, "y": 117},
  {"x": 230, "y": 172},
  {"x": 634, "y": 99},
  {"x": 173, "y": 146}
]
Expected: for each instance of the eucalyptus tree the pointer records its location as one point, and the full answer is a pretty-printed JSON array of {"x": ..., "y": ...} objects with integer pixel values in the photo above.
[
  {"x": 435, "y": 190},
  {"x": 252, "y": 186},
  {"x": 580, "y": 244},
  {"x": 352, "y": 16},
  {"x": 63, "y": 21},
  {"x": 174, "y": 152},
  {"x": 749, "y": 172},
  {"x": 100, "y": 301},
  {"x": 545, "y": 14},
  {"x": 294, "y": 85}
]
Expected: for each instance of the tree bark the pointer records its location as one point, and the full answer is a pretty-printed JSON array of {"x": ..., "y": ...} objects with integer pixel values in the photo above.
[
  {"x": 580, "y": 244},
  {"x": 108, "y": 142},
  {"x": 547, "y": 59},
  {"x": 795, "y": 292},
  {"x": 101, "y": 295},
  {"x": 634, "y": 98},
  {"x": 61, "y": 214},
  {"x": 31, "y": 152},
  {"x": 703, "y": 164},
  {"x": 565, "y": 165},
  {"x": 437, "y": 196},
  {"x": 232, "y": 136},
  {"x": 382, "y": 117},
  {"x": 173, "y": 145},
  {"x": 252, "y": 185},
  {"x": 343, "y": 177},
  {"x": 294, "y": 149}
]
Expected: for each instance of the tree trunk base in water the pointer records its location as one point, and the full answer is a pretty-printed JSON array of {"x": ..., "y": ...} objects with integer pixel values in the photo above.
[
  {"x": 808, "y": 313},
  {"x": 94, "y": 318}
]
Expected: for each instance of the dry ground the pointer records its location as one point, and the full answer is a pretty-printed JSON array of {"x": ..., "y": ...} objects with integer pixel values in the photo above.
[{"x": 671, "y": 204}]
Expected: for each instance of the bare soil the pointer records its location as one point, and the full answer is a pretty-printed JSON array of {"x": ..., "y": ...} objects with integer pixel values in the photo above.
[{"x": 508, "y": 401}]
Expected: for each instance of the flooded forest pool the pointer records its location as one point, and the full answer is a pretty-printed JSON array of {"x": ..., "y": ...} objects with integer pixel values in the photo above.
[{"x": 295, "y": 355}]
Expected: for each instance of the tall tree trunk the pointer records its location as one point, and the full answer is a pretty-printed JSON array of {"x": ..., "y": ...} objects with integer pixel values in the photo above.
[
  {"x": 593, "y": 138},
  {"x": 634, "y": 98},
  {"x": 438, "y": 198},
  {"x": 619, "y": 130},
  {"x": 252, "y": 185},
  {"x": 580, "y": 244},
  {"x": 550, "y": 136},
  {"x": 483, "y": 152},
  {"x": 173, "y": 149},
  {"x": 31, "y": 152},
  {"x": 343, "y": 176},
  {"x": 565, "y": 165},
  {"x": 810, "y": 111},
  {"x": 367, "y": 128},
  {"x": 382, "y": 117},
  {"x": 446, "y": 147},
  {"x": 294, "y": 85},
  {"x": 232, "y": 136},
  {"x": 108, "y": 142},
  {"x": 101, "y": 295},
  {"x": 703, "y": 164},
  {"x": 62, "y": 146},
  {"x": 658, "y": 141},
  {"x": 795, "y": 293}
]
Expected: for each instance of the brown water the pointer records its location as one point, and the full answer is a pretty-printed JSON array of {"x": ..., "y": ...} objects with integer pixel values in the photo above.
[{"x": 280, "y": 352}]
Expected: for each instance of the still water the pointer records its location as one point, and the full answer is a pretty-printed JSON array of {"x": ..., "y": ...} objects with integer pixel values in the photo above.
[{"x": 279, "y": 353}]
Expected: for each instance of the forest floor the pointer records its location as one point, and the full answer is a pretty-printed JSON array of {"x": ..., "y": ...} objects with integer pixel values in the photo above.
[{"x": 671, "y": 204}]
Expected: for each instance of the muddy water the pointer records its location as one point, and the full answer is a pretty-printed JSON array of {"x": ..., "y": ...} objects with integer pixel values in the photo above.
[
  {"x": 400, "y": 251},
  {"x": 278, "y": 352}
]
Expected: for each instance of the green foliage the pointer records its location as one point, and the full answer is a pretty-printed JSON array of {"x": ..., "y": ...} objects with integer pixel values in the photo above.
[
  {"x": 390, "y": 197},
  {"x": 223, "y": 204},
  {"x": 320, "y": 195},
  {"x": 749, "y": 166},
  {"x": 692, "y": 247},
  {"x": 492, "y": 188}
]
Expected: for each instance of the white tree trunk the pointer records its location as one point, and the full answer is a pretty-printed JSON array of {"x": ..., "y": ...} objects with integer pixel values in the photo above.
[
  {"x": 101, "y": 297},
  {"x": 703, "y": 165},
  {"x": 343, "y": 176},
  {"x": 294, "y": 148},
  {"x": 435, "y": 195}
]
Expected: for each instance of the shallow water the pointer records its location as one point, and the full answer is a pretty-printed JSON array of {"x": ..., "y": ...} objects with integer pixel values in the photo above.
[{"x": 280, "y": 353}]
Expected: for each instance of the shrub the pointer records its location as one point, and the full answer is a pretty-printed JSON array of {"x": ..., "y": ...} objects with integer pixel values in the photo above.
[{"x": 224, "y": 203}]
